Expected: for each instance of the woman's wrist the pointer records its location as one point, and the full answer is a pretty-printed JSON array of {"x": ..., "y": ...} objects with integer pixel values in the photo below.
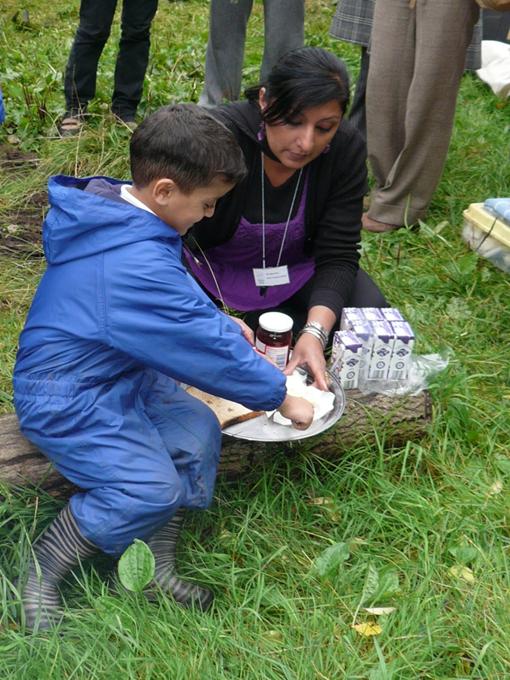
[{"x": 317, "y": 330}]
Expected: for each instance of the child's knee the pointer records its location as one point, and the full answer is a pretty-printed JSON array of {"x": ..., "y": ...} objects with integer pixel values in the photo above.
[
  {"x": 207, "y": 422},
  {"x": 163, "y": 496}
]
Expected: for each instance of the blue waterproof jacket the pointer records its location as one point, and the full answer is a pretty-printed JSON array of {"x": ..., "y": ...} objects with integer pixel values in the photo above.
[
  {"x": 116, "y": 298},
  {"x": 116, "y": 319}
]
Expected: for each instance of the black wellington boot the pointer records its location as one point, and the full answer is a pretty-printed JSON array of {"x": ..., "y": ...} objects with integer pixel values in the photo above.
[
  {"x": 163, "y": 545},
  {"x": 55, "y": 553}
]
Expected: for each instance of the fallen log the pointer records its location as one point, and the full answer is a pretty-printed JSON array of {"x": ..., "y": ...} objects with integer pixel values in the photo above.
[{"x": 367, "y": 419}]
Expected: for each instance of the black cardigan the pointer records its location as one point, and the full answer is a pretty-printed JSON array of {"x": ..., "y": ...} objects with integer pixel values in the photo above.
[{"x": 336, "y": 187}]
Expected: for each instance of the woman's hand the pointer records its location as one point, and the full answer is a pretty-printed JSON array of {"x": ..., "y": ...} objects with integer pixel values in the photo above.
[
  {"x": 245, "y": 329},
  {"x": 308, "y": 351},
  {"x": 298, "y": 410}
]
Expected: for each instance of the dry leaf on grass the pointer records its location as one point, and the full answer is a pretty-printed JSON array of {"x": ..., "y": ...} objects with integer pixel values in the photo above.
[
  {"x": 321, "y": 500},
  {"x": 367, "y": 629},
  {"x": 463, "y": 573},
  {"x": 496, "y": 488}
]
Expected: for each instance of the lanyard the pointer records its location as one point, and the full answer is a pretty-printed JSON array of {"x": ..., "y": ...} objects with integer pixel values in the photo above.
[{"x": 264, "y": 215}]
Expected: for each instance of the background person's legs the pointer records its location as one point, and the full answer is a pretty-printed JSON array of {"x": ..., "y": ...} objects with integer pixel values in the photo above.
[
  {"x": 225, "y": 50},
  {"x": 391, "y": 70},
  {"x": 133, "y": 56},
  {"x": 93, "y": 31},
  {"x": 283, "y": 30},
  {"x": 416, "y": 63},
  {"x": 357, "y": 110}
]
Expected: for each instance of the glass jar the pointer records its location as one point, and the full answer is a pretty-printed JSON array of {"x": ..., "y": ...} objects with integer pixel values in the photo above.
[{"x": 274, "y": 337}]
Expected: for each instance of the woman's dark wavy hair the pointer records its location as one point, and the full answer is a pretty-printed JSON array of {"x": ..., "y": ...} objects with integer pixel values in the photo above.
[
  {"x": 185, "y": 143},
  {"x": 302, "y": 78}
]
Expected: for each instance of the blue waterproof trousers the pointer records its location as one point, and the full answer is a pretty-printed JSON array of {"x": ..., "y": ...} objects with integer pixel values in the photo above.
[{"x": 140, "y": 448}]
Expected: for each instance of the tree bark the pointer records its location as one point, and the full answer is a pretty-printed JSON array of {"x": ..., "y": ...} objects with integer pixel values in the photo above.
[{"x": 367, "y": 419}]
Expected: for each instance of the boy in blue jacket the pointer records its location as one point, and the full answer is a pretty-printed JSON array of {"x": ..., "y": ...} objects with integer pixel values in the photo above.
[{"x": 115, "y": 322}]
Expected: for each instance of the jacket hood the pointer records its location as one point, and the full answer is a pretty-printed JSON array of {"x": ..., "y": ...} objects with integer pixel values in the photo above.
[{"x": 88, "y": 216}]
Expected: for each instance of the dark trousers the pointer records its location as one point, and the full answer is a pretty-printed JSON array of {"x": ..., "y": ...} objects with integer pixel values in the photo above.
[
  {"x": 96, "y": 18},
  {"x": 357, "y": 111},
  {"x": 365, "y": 293}
]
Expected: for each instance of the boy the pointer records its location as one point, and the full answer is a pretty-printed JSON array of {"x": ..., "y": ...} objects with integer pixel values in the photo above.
[{"x": 116, "y": 320}]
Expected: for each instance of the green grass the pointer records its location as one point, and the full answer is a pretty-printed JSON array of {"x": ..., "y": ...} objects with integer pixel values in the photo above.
[{"x": 406, "y": 516}]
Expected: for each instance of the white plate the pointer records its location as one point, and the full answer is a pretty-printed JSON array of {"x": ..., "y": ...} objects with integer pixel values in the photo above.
[{"x": 263, "y": 429}]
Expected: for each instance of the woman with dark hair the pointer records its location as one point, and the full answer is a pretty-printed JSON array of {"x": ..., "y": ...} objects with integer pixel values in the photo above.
[{"x": 287, "y": 237}]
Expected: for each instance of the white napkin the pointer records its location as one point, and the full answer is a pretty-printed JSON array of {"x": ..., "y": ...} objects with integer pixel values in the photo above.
[{"x": 322, "y": 402}]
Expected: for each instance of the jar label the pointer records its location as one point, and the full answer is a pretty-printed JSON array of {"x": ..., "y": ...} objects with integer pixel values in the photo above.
[{"x": 278, "y": 355}]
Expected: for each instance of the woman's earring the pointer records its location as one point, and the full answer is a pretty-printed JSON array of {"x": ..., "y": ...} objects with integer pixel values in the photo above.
[
  {"x": 326, "y": 148},
  {"x": 261, "y": 134}
]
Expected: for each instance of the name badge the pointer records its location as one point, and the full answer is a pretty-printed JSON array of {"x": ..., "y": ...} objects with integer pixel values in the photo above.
[{"x": 271, "y": 276}]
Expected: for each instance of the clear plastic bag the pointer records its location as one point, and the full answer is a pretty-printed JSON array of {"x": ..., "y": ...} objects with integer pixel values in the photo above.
[{"x": 422, "y": 367}]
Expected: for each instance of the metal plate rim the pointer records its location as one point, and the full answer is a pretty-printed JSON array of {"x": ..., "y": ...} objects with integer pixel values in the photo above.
[{"x": 330, "y": 419}]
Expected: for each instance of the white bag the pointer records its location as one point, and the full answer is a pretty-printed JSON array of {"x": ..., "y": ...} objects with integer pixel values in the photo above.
[{"x": 495, "y": 69}]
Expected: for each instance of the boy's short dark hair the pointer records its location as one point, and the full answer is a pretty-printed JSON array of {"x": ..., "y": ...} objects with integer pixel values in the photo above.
[{"x": 183, "y": 142}]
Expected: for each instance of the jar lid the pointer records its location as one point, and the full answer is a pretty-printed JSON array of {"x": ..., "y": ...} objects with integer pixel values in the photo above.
[{"x": 276, "y": 322}]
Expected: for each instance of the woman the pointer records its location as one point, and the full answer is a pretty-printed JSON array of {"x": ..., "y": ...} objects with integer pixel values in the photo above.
[{"x": 287, "y": 237}]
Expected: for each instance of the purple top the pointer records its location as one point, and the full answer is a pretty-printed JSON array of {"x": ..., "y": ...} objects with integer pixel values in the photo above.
[{"x": 233, "y": 262}]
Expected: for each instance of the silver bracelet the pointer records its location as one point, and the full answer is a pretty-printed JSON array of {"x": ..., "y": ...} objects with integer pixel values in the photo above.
[{"x": 317, "y": 330}]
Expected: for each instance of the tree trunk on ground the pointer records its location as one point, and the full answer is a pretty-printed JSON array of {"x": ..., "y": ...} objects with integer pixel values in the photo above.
[{"x": 367, "y": 418}]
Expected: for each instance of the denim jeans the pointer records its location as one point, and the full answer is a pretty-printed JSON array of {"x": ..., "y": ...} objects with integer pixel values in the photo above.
[{"x": 96, "y": 18}]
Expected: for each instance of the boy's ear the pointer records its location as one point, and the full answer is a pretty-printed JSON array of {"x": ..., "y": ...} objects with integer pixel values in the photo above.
[{"x": 163, "y": 189}]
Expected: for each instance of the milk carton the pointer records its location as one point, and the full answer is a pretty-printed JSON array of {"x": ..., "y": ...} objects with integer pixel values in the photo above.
[
  {"x": 391, "y": 314},
  {"x": 346, "y": 354},
  {"x": 372, "y": 313},
  {"x": 402, "y": 350},
  {"x": 382, "y": 347},
  {"x": 363, "y": 330},
  {"x": 350, "y": 315}
]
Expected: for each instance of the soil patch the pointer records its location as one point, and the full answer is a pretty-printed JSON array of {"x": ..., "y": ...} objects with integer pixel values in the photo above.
[
  {"x": 13, "y": 158},
  {"x": 20, "y": 229}
]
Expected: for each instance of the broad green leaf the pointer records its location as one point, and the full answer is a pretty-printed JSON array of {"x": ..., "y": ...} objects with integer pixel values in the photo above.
[
  {"x": 371, "y": 584},
  {"x": 136, "y": 566},
  {"x": 379, "y": 586},
  {"x": 503, "y": 465},
  {"x": 330, "y": 559},
  {"x": 388, "y": 585},
  {"x": 467, "y": 264},
  {"x": 464, "y": 553}
]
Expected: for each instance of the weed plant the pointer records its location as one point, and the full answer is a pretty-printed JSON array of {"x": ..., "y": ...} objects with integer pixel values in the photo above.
[{"x": 299, "y": 549}]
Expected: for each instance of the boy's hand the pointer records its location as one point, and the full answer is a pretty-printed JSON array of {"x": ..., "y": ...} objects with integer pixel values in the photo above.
[
  {"x": 245, "y": 329},
  {"x": 298, "y": 410}
]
